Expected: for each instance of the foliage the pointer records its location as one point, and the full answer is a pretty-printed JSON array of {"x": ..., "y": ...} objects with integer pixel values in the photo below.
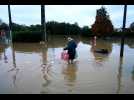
[
  {"x": 4, "y": 26},
  {"x": 86, "y": 31},
  {"x": 33, "y": 33},
  {"x": 62, "y": 28},
  {"x": 102, "y": 25},
  {"x": 119, "y": 34},
  {"x": 0, "y": 21},
  {"x": 132, "y": 26},
  {"x": 27, "y": 36}
]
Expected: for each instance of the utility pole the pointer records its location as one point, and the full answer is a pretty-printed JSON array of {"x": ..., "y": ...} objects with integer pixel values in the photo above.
[
  {"x": 13, "y": 52},
  {"x": 123, "y": 29},
  {"x": 43, "y": 23},
  {"x": 10, "y": 23}
]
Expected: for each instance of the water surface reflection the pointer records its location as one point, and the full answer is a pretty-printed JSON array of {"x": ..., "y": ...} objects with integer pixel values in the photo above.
[
  {"x": 37, "y": 68},
  {"x": 70, "y": 75}
]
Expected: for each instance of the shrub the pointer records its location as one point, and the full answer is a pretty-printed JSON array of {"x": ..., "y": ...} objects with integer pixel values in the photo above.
[{"x": 27, "y": 36}]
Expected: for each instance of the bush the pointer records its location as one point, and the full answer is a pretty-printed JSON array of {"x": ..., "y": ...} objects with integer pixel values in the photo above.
[
  {"x": 27, "y": 36},
  {"x": 86, "y": 31},
  {"x": 119, "y": 34}
]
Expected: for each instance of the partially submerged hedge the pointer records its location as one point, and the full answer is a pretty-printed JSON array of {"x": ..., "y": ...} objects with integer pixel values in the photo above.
[{"x": 27, "y": 36}]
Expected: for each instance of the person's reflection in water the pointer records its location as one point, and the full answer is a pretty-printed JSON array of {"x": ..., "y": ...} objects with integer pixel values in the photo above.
[
  {"x": 98, "y": 45},
  {"x": 119, "y": 76},
  {"x": 5, "y": 57},
  {"x": 0, "y": 57},
  {"x": 133, "y": 74},
  {"x": 3, "y": 48},
  {"x": 1, "y": 51},
  {"x": 70, "y": 75}
]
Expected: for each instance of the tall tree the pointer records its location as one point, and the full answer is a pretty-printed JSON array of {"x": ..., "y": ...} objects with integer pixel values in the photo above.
[{"x": 102, "y": 24}]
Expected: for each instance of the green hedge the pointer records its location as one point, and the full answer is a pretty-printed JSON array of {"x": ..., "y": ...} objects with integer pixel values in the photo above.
[
  {"x": 119, "y": 34},
  {"x": 27, "y": 36}
]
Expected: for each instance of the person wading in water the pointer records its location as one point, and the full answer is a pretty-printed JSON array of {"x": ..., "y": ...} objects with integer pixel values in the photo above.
[{"x": 71, "y": 48}]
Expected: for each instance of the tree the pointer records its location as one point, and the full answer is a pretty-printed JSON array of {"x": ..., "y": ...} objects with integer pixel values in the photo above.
[
  {"x": 86, "y": 31},
  {"x": 0, "y": 21},
  {"x": 132, "y": 26},
  {"x": 18, "y": 28},
  {"x": 102, "y": 25},
  {"x": 4, "y": 26}
]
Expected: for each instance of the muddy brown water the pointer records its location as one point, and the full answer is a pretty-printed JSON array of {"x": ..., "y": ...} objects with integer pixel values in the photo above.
[{"x": 36, "y": 68}]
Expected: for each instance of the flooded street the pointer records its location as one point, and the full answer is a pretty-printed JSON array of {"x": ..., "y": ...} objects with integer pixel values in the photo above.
[{"x": 36, "y": 68}]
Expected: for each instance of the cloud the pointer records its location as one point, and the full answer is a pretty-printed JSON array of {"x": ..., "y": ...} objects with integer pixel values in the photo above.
[
  {"x": 130, "y": 14},
  {"x": 4, "y": 13},
  {"x": 82, "y": 14},
  {"x": 72, "y": 14},
  {"x": 26, "y": 14}
]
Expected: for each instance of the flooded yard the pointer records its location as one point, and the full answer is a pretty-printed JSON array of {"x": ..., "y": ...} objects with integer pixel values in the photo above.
[{"x": 36, "y": 68}]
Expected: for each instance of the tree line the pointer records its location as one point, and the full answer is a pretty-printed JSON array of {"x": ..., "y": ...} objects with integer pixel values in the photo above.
[
  {"x": 21, "y": 32},
  {"x": 101, "y": 27},
  {"x": 54, "y": 28}
]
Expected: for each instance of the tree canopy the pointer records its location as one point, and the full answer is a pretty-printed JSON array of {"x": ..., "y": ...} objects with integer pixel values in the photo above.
[
  {"x": 3, "y": 25},
  {"x": 102, "y": 24},
  {"x": 132, "y": 26},
  {"x": 0, "y": 21}
]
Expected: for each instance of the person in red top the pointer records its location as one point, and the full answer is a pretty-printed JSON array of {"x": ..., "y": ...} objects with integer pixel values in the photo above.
[
  {"x": 0, "y": 35},
  {"x": 3, "y": 35}
]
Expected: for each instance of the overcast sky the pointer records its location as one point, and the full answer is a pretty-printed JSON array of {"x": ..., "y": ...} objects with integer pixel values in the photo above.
[{"x": 84, "y": 15}]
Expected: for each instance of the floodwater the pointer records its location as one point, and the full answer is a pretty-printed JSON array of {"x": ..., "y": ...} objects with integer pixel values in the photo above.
[{"x": 30, "y": 68}]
